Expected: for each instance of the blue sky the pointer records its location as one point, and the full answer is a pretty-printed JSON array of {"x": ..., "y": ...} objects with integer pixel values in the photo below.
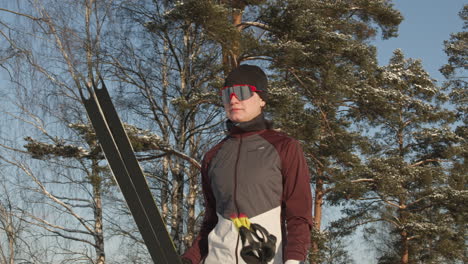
[{"x": 426, "y": 24}]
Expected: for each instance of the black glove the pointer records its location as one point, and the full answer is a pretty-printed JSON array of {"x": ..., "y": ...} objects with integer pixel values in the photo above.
[{"x": 259, "y": 246}]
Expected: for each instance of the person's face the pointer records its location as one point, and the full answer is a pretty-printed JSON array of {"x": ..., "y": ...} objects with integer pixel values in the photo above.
[{"x": 245, "y": 110}]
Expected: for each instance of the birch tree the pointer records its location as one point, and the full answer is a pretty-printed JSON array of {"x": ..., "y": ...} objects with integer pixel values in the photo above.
[
  {"x": 11, "y": 227},
  {"x": 54, "y": 44},
  {"x": 170, "y": 69},
  {"x": 162, "y": 75}
]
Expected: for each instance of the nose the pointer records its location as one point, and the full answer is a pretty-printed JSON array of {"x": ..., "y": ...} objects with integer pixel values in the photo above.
[{"x": 234, "y": 98}]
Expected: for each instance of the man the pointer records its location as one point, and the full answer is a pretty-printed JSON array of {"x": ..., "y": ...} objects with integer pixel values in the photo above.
[{"x": 255, "y": 172}]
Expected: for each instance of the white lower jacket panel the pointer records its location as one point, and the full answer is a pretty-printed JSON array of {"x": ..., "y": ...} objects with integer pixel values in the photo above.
[{"x": 223, "y": 239}]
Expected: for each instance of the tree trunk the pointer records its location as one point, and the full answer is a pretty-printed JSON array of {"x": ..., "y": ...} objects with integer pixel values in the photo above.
[
  {"x": 98, "y": 220},
  {"x": 318, "y": 202},
  {"x": 403, "y": 234},
  {"x": 231, "y": 53},
  {"x": 178, "y": 166},
  {"x": 191, "y": 201},
  {"x": 177, "y": 198},
  {"x": 165, "y": 189},
  {"x": 11, "y": 234},
  {"x": 193, "y": 189},
  {"x": 178, "y": 208},
  {"x": 404, "y": 248},
  {"x": 402, "y": 214}
]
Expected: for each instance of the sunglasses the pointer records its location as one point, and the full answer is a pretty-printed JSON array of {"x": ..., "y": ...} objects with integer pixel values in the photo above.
[{"x": 241, "y": 91}]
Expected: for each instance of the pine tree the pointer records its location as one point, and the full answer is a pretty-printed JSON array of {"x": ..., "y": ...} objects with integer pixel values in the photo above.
[
  {"x": 456, "y": 84},
  {"x": 405, "y": 183},
  {"x": 317, "y": 54},
  {"x": 323, "y": 62}
]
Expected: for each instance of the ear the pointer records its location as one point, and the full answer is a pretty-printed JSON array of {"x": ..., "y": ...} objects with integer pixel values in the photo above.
[{"x": 262, "y": 103}]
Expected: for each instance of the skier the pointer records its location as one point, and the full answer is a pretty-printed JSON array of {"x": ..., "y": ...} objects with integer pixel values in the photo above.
[{"x": 258, "y": 201}]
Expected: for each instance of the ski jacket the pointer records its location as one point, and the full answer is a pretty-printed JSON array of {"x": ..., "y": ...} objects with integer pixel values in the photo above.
[{"x": 261, "y": 173}]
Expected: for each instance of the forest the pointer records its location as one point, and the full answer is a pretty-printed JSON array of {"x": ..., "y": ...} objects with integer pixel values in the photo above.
[{"x": 386, "y": 145}]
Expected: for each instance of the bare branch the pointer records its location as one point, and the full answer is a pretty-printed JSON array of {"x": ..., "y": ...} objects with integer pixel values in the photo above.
[
  {"x": 22, "y": 14},
  {"x": 51, "y": 228},
  {"x": 43, "y": 189}
]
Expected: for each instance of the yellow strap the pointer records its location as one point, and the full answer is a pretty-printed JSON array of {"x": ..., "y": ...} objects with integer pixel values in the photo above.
[{"x": 242, "y": 220}]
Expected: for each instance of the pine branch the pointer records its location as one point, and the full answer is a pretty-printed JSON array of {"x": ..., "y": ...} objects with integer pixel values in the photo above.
[
  {"x": 393, "y": 204},
  {"x": 413, "y": 237},
  {"x": 424, "y": 162},
  {"x": 362, "y": 180},
  {"x": 248, "y": 24}
]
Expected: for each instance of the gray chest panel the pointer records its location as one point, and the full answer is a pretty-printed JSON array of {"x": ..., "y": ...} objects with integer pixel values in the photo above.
[{"x": 246, "y": 177}]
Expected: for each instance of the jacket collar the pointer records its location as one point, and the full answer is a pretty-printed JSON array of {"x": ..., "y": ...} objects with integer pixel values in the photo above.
[{"x": 250, "y": 127}]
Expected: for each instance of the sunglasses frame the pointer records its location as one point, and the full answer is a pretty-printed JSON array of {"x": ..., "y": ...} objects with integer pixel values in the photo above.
[{"x": 238, "y": 90}]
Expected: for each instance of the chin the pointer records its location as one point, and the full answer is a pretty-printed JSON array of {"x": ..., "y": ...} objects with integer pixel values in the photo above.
[{"x": 237, "y": 119}]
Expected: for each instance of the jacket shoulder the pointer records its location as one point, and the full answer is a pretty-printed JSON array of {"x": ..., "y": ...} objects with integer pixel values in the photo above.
[{"x": 279, "y": 139}]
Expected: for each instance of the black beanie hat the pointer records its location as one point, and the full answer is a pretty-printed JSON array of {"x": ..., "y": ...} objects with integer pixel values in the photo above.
[{"x": 251, "y": 75}]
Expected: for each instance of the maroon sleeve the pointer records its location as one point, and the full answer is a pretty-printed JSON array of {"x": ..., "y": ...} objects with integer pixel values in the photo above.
[
  {"x": 297, "y": 201},
  {"x": 199, "y": 248}
]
